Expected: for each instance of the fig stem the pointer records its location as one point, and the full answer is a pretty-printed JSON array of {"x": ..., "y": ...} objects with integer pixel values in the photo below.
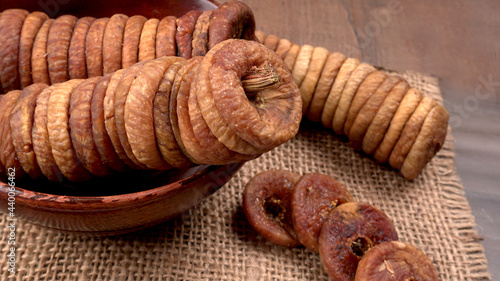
[{"x": 260, "y": 78}]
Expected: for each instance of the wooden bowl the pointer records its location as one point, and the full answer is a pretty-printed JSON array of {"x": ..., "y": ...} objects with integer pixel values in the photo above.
[{"x": 124, "y": 202}]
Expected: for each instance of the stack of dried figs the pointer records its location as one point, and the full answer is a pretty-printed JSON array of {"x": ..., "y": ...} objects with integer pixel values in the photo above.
[
  {"x": 378, "y": 112},
  {"x": 159, "y": 114},
  {"x": 355, "y": 240}
]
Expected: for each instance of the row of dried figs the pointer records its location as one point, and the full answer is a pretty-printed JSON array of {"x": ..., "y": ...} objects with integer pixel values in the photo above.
[
  {"x": 355, "y": 240},
  {"x": 160, "y": 114},
  {"x": 37, "y": 49},
  {"x": 378, "y": 112}
]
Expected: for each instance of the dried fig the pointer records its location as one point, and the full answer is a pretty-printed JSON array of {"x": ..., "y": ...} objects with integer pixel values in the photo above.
[
  {"x": 58, "y": 48},
  {"x": 350, "y": 231},
  {"x": 112, "y": 43},
  {"x": 271, "y": 42},
  {"x": 184, "y": 35},
  {"x": 314, "y": 196},
  {"x": 302, "y": 63},
  {"x": 284, "y": 46},
  {"x": 147, "y": 42},
  {"x": 165, "y": 37},
  {"x": 291, "y": 56},
  {"x": 8, "y": 156},
  {"x": 131, "y": 38},
  {"x": 395, "y": 260},
  {"x": 32, "y": 24},
  {"x": 318, "y": 60},
  {"x": 77, "y": 65},
  {"x": 94, "y": 47},
  {"x": 39, "y": 64},
  {"x": 260, "y": 35},
  {"x": 200, "y": 34},
  {"x": 267, "y": 206}
]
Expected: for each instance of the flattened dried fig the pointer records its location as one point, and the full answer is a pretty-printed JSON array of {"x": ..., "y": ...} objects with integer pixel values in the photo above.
[
  {"x": 267, "y": 206},
  {"x": 131, "y": 38},
  {"x": 165, "y": 37},
  {"x": 350, "y": 231},
  {"x": 94, "y": 47},
  {"x": 148, "y": 40},
  {"x": 39, "y": 64},
  {"x": 184, "y": 35},
  {"x": 8, "y": 156},
  {"x": 58, "y": 48},
  {"x": 200, "y": 34},
  {"x": 318, "y": 60},
  {"x": 395, "y": 260},
  {"x": 260, "y": 35},
  {"x": 314, "y": 196},
  {"x": 284, "y": 45},
  {"x": 112, "y": 43},
  {"x": 271, "y": 42},
  {"x": 291, "y": 56},
  {"x": 77, "y": 65},
  {"x": 302, "y": 63}
]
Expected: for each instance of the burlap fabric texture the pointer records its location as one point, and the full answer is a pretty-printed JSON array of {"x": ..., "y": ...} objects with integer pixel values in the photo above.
[{"x": 213, "y": 241}]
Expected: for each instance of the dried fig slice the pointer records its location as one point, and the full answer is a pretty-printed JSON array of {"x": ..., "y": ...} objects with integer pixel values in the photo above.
[
  {"x": 39, "y": 64},
  {"x": 318, "y": 60},
  {"x": 365, "y": 90},
  {"x": 131, "y": 38},
  {"x": 58, "y": 48},
  {"x": 11, "y": 23},
  {"x": 32, "y": 24},
  {"x": 284, "y": 46},
  {"x": 94, "y": 47},
  {"x": 112, "y": 43},
  {"x": 148, "y": 40},
  {"x": 165, "y": 37},
  {"x": 349, "y": 94},
  {"x": 260, "y": 35},
  {"x": 99, "y": 134},
  {"x": 314, "y": 196},
  {"x": 59, "y": 132},
  {"x": 369, "y": 109},
  {"x": 77, "y": 65},
  {"x": 231, "y": 20},
  {"x": 350, "y": 231},
  {"x": 328, "y": 75},
  {"x": 410, "y": 132},
  {"x": 266, "y": 118},
  {"x": 80, "y": 122},
  {"x": 267, "y": 206},
  {"x": 271, "y": 42},
  {"x": 291, "y": 57},
  {"x": 383, "y": 117},
  {"x": 406, "y": 108},
  {"x": 8, "y": 156},
  {"x": 165, "y": 138},
  {"x": 40, "y": 136},
  {"x": 138, "y": 113},
  {"x": 184, "y": 34},
  {"x": 395, "y": 260},
  {"x": 429, "y": 141},
  {"x": 302, "y": 64},
  {"x": 332, "y": 101},
  {"x": 21, "y": 125},
  {"x": 200, "y": 34}
]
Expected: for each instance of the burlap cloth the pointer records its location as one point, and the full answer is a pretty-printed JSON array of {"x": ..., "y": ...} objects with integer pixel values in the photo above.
[{"x": 213, "y": 241}]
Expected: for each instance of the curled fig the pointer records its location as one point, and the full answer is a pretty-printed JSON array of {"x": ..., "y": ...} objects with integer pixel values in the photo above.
[
  {"x": 313, "y": 198},
  {"x": 350, "y": 231},
  {"x": 396, "y": 260},
  {"x": 267, "y": 206}
]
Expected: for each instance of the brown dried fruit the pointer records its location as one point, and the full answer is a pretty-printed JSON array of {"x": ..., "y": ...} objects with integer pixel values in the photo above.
[
  {"x": 332, "y": 101},
  {"x": 200, "y": 34},
  {"x": 260, "y": 35},
  {"x": 8, "y": 156},
  {"x": 267, "y": 206},
  {"x": 410, "y": 132},
  {"x": 350, "y": 231},
  {"x": 21, "y": 125},
  {"x": 100, "y": 135},
  {"x": 32, "y": 24},
  {"x": 318, "y": 60},
  {"x": 332, "y": 66},
  {"x": 165, "y": 37},
  {"x": 271, "y": 42},
  {"x": 284, "y": 45},
  {"x": 429, "y": 141},
  {"x": 77, "y": 65},
  {"x": 184, "y": 35},
  {"x": 313, "y": 198},
  {"x": 396, "y": 260},
  {"x": 406, "y": 108},
  {"x": 380, "y": 123},
  {"x": 131, "y": 38},
  {"x": 11, "y": 23},
  {"x": 80, "y": 124},
  {"x": 147, "y": 42},
  {"x": 39, "y": 64},
  {"x": 231, "y": 20},
  {"x": 302, "y": 63},
  {"x": 58, "y": 48},
  {"x": 59, "y": 132},
  {"x": 349, "y": 94},
  {"x": 94, "y": 47},
  {"x": 112, "y": 43},
  {"x": 291, "y": 57},
  {"x": 368, "y": 110}
]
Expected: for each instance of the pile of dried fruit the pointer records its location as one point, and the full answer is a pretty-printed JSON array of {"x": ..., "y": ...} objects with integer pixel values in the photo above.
[
  {"x": 378, "y": 112},
  {"x": 163, "y": 113},
  {"x": 355, "y": 240}
]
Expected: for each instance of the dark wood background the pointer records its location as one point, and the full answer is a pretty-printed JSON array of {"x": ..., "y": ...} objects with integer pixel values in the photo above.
[{"x": 456, "y": 40}]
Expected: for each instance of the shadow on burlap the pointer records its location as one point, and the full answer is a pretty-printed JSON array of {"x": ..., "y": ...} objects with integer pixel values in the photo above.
[{"x": 213, "y": 241}]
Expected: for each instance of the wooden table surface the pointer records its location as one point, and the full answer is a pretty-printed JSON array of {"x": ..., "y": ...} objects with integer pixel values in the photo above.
[{"x": 458, "y": 41}]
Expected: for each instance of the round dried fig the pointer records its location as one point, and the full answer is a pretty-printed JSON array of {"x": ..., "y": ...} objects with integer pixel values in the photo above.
[
  {"x": 302, "y": 63},
  {"x": 8, "y": 156},
  {"x": 39, "y": 64},
  {"x": 395, "y": 260},
  {"x": 291, "y": 56},
  {"x": 112, "y": 43},
  {"x": 165, "y": 37},
  {"x": 131, "y": 38},
  {"x": 58, "y": 48},
  {"x": 350, "y": 231},
  {"x": 147, "y": 42},
  {"x": 271, "y": 42},
  {"x": 318, "y": 60},
  {"x": 284, "y": 46},
  {"x": 77, "y": 66},
  {"x": 260, "y": 35},
  {"x": 267, "y": 206},
  {"x": 184, "y": 35},
  {"x": 314, "y": 196},
  {"x": 94, "y": 47},
  {"x": 200, "y": 34}
]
